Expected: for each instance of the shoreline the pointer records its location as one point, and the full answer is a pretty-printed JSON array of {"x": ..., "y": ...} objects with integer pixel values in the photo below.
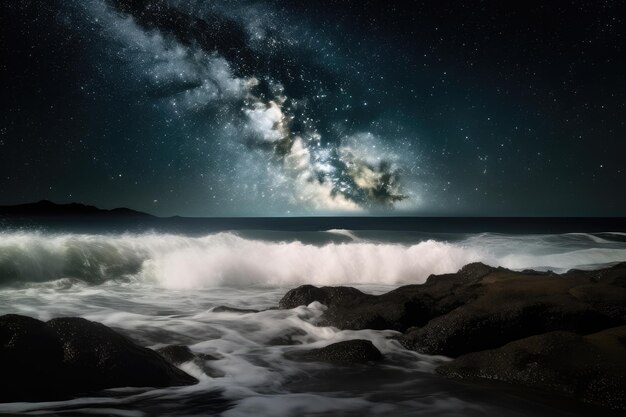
[
  {"x": 507, "y": 331},
  {"x": 564, "y": 333}
]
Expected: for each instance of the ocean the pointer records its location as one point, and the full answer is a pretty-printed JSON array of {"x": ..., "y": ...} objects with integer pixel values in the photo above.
[{"x": 159, "y": 284}]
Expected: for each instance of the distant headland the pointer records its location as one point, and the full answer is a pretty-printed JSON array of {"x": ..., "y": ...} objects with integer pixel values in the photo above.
[{"x": 46, "y": 208}]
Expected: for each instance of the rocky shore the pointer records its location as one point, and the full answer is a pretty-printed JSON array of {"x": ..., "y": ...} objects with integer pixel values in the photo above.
[
  {"x": 561, "y": 333},
  {"x": 69, "y": 356}
]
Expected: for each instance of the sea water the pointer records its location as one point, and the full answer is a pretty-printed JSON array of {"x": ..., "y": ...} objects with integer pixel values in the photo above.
[{"x": 160, "y": 288}]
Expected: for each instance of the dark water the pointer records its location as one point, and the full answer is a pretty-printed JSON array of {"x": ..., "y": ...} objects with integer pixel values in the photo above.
[{"x": 200, "y": 226}]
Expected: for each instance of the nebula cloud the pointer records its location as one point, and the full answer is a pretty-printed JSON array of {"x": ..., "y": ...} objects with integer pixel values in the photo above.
[{"x": 192, "y": 72}]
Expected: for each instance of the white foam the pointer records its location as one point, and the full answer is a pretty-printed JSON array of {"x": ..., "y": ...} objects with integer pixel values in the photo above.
[
  {"x": 344, "y": 232},
  {"x": 228, "y": 260},
  {"x": 232, "y": 261}
]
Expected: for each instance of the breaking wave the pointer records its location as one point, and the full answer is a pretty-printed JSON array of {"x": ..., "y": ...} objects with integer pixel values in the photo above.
[{"x": 230, "y": 260}]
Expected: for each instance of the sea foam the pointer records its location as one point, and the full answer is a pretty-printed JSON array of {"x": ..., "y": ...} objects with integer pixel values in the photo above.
[{"x": 231, "y": 260}]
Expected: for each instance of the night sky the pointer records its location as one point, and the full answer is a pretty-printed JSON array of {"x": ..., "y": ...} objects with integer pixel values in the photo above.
[{"x": 319, "y": 107}]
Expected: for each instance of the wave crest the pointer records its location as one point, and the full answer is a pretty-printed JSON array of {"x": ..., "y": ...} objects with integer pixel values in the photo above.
[{"x": 229, "y": 260}]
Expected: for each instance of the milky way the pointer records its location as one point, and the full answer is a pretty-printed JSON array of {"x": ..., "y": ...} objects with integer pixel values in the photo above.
[
  {"x": 187, "y": 62},
  {"x": 236, "y": 107}
]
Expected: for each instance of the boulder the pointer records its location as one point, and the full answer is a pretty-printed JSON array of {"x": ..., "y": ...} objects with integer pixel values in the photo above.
[
  {"x": 69, "y": 356},
  {"x": 610, "y": 299},
  {"x": 489, "y": 323},
  {"x": 342, "y": 353},
  {"x": 479, "y": 307},
  {"x": 590, "y": 368},
  {"x": 400, "y": 309},
  {"x": 31, "y": 359},
  {"x": 98, "y": 357},
  {"x": 176, "y": 354},
  {"x": 179, "y": 354},
  {"x": 507, "y": 305},
  {"x": 329, "y": 296}
]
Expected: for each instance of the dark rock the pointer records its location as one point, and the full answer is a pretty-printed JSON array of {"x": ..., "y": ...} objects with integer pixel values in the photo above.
[
  {"x": 507, "y": 305},
  {"x": 534, "y": 322},
  {"x": 226, "y": 309},
  {"x": 99, "y": 357},
  {"x": 306, "y": 294},
  {"x": 179, "y": 354},
  {"x": 396, "y": 312},
  {"x": 404, "y": 307},
  {"x": 476, "y": 270},
  {"x": 68, "y": 356},
  {"x": 344, "y": 353},
  {"x": 479, "y": 307},
  {"x": 349, "y": 308},
  {"x": 589, "y": 368},
  {"x": 29, "y": 351},
  {"x": 487, "y": 323},
  {"x": 533, "y": 272},
  {"x": 608, "y": 299},
  {"x": 176, "y": 354}
]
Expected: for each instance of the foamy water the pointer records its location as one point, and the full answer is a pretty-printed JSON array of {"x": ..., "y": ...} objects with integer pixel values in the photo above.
[
  {"x": 232, "y": 260},
  {"x": 161, "y": 289}
]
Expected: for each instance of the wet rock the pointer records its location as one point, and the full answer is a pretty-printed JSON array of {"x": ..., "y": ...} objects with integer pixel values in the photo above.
[
  {"x": 589, "y": 368},
  {"x": 226, "y": 309},
  {"x": 179, "y": 354},
  {"x": 29, "y": 351},
  {"x": 392, "y": 312},
  {"x": 400, "y": 309},
  {"x": 349, "y": 308},
  {"x": 69, "y": 356},
  {"x": 474, "y": 270},
  {"x": 527, "y": 328},
  {"x": 487, "y": 323},
  {"x": 479, "y": 307},
  {"x": 344, "y": 353},
  {"x": 176, "y": 354},
  {"x": 329, "y": 296},
  {"x": 505, "y": 306},
  {"x": 608, "y": 299},
  {"x": 94, "y": 351}
]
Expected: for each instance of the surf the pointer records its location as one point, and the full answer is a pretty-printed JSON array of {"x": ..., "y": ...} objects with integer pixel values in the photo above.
[{"x": 230, "y": 259}]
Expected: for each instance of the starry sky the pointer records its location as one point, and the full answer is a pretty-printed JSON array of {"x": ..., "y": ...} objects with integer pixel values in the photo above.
[{"x": 278, "y": 108}]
